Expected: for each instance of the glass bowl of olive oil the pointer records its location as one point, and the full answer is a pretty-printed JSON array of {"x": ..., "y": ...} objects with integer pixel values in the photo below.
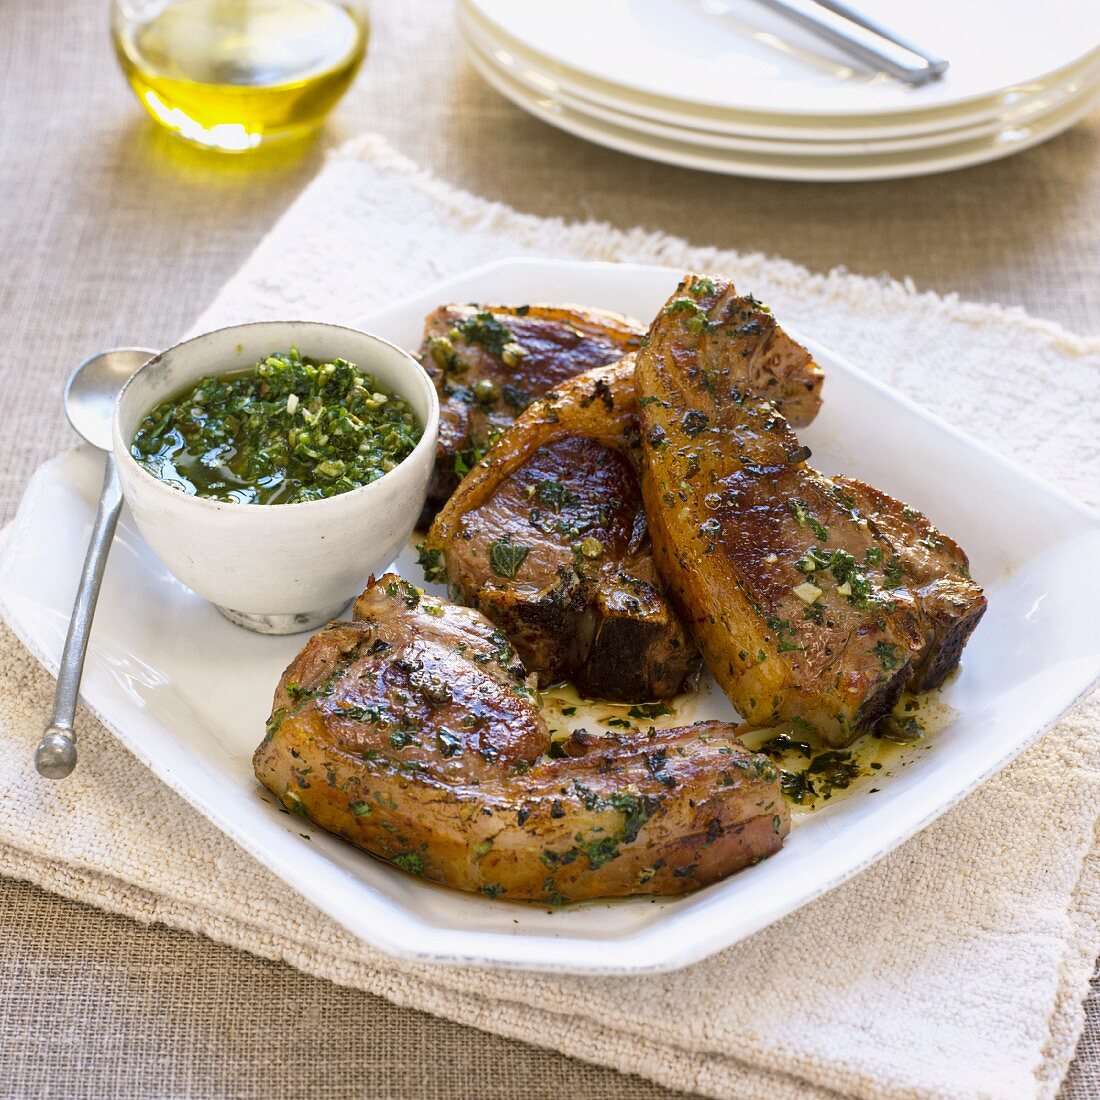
[{"x": 234, "y": 74}]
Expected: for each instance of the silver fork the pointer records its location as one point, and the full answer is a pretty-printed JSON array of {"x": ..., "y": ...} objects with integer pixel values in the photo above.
[{"x": 855, "y": 34}]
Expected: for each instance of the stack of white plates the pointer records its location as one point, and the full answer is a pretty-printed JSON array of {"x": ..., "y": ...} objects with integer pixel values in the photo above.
[{"x": 726, "y": 86}]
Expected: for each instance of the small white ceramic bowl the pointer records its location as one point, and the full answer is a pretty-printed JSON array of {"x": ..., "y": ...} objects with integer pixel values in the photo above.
[{"x": 277, "y": 568}]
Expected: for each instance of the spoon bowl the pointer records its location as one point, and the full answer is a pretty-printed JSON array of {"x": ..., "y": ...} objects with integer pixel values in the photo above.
[{"x": 94, "y": 386}]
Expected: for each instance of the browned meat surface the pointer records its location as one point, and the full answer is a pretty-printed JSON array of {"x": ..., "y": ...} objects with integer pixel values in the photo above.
[
  {"x": 490, "y": 362},
  {"x": 936, "y": 572},
  {"x": 810, "y": 597},
  {"x": 548, "y": 538},
  {"x": 415, "y": 734}
]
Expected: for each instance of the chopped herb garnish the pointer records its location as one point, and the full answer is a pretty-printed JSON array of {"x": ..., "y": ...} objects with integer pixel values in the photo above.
[
  {"x": 798, "y": 787},
  {"x": 850, "y": 575},
  {"x": 506, "y": 556},
  {"x": 516, "y": 398},
  {"x": 554, "y": 494},
  {"x": 485, "y": 329},
  {"x": 431, "y": 561},
  {"x": 893, "y": 573},
  {"x": 695, "y": 316},
  {"x": 784, "y": 743},
  {"x": 701, "y": 286},
  {"x": 413, "y": 862},
  {"x": 836, "y": 768},
  {"x": 648, "y": 710},
  {"x": 806, "y": 519}
]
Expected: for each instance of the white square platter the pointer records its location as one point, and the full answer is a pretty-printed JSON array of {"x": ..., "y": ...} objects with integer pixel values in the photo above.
[{"x": 188, "y": 693}]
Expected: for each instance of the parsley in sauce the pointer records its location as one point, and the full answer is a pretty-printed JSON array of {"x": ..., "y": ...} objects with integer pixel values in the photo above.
[{"x": 288, "y": 430}]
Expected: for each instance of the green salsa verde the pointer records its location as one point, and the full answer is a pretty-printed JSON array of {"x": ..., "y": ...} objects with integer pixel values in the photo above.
[{"x": 289, "y": 429}]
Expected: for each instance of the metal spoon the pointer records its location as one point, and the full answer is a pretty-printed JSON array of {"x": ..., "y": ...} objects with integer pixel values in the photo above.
[{"x": 89, "y": 405}]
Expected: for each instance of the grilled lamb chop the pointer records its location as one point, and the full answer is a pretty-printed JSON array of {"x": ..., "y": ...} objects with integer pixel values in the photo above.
[
  {"x": 415, "y": 734},
  {"x": 810, "y": 597},
  {"x": 489, "y": 363},
  {"x": 547, "y": 537}
]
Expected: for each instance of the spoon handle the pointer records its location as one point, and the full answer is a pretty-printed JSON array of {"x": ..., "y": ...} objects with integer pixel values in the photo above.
[{"x": 55, "y": 756}]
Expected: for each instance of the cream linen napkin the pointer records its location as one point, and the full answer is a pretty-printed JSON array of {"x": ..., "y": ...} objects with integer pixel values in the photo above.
[{"x": 956, "y": 967}]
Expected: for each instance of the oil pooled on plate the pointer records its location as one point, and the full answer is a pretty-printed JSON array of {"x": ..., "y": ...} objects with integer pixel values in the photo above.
[{"x": 814, "y": 774}]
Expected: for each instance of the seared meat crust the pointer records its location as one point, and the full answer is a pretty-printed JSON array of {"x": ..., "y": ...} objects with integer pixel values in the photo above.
[
  {"x": 490, "y": 362},
  {"x": 547, "y": 537},
  {"x": 413, "y": 733},
  {"x": 810, "y": 597}
]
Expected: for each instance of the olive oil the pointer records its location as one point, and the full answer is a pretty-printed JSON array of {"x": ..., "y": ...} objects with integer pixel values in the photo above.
[
  {"x": 814, "y": 774},
  {"x": 232, "y": 74}
]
